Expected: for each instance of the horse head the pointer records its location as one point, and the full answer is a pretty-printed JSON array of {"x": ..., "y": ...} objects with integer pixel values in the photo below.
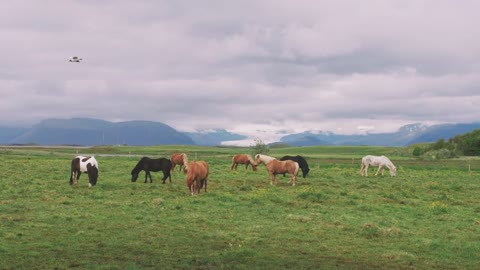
[
  {"x": 393, "y": 170},
  {"x": 134, "y": 175}
]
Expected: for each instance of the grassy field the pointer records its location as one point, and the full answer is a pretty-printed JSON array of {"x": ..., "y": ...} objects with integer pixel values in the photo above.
[{"x": 428, "y": 217}]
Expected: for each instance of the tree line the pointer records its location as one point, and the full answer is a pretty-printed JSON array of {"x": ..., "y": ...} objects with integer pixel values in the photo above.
[{"x": 467, "y": 144}]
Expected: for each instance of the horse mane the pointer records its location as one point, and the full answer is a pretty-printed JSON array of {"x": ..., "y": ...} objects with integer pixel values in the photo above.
[
  {"x": 138, "y": 167},
  {"x": 264, "y": 158},
  {"x": 252, "y": 161},
  {"x": 185, "y": 161}
]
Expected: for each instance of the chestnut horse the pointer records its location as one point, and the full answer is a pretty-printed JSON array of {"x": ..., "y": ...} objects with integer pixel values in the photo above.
[
  {"x": 177, "y": 159},
  {"x": 381, "y": 161},
  {"x": 243, "y": 159},
  {"x": 197, "y": 176},
  {"x": 302, "y": 163},
  {"x": 275, "y": 166}
]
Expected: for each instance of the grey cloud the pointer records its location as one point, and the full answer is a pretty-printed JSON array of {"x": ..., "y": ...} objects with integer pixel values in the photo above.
[{"x": 242, "y": 65}]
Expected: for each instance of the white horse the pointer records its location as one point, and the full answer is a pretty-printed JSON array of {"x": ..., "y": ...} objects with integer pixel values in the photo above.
[
  {"x": 381, "y": 161},
  {"x": 275, "y": 166}
]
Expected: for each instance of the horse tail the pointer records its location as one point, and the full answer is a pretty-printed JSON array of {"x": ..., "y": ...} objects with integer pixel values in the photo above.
[
  {"x": 185, "y": 162},
  {"x": 362, "y": 168},
  {"x": 74, "y": 168},
  {"x": 233, "y": 162},
  {"x": 172, "y": 162}
]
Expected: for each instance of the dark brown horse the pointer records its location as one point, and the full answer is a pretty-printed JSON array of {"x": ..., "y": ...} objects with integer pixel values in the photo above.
[
  {"x": 197, "y": 176},
  {"x": 178, "y": 159},
  {"x": 243, "y": 159},
  {"x": 152, "y": 165},
  {"x": 275, "y": 167}
]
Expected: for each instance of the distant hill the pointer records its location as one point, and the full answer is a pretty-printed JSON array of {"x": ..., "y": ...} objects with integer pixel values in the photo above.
[
  {"x": 86, "y": 131},
  {"x": 434, "y": 133},
  {"x": 213, "y": 137},
  {"x": 406, "y": 135},
  {"x": 7, "y": 134}
]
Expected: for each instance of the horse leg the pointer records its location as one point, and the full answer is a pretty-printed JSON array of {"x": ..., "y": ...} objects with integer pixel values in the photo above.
[
  {"x": 192, "y": 187},
  {"x": 273, "y": 179},
  {"x": 166, "y": 173},
  {"x": 72, "y": 177},
  {"x": 89, "y": 178},
  {"x": 78, "y": 175},
  {"x": 146, "y": 176},
  {"x": 294, "y": 179},
  {"x": 365, "y": 170},
  {"x": 379, "y": 168}
]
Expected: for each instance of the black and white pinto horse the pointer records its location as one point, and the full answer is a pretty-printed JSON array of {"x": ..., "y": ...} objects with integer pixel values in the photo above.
[
  {"x": 84, "y": 164},
  {"x": 147, "y": 164},
  {"x": 302, "y": 163}
]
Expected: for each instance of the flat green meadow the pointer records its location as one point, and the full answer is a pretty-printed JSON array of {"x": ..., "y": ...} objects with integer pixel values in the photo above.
[{"x": 427, "y": 217}]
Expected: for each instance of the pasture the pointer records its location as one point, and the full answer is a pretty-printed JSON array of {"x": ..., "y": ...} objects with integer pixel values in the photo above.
[{"x": 427, "y": 217}]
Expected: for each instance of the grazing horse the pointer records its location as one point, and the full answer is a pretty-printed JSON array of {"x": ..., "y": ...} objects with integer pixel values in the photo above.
[
  {"x": 275, "y": 167},
  {"x": 147, "y": 164},
  {"x": 302, "y": 163},
  {"x": 380, "y": 161},
  {"x": 178, "y": 159},
  {"x": 197, "y": 176},
  {"x": 84, "y": 164},
  {"x": 243, "y": 159}
]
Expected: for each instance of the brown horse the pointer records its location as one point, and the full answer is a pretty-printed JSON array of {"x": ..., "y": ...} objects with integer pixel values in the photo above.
[
  {"x": 243, "y": 159},
  {"x": 197, "y": 176},
  {"x": 275, "y": 167},
  {"x": 178, "y": 159}
]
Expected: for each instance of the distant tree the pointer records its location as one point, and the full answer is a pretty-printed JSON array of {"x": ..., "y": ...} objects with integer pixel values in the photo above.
[
  {"x": 260, "y": 147},
  {"x": 439, "y": 144},
  {"x": 470, "y": 143},
  {"x": 417, "y": 151}
]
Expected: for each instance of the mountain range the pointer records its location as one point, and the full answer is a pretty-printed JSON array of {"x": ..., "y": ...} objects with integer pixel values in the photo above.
[
  {"x": 406, "y": 135},
  {"x": 87, "y": 131}
]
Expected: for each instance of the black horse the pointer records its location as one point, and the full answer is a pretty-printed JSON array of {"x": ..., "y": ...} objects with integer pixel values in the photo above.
[
  {"x": 302, "y": 163},
  {"x": 147, "y": 164}
]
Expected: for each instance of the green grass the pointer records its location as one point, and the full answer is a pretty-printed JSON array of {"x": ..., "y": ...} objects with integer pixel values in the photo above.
[{"x": 428, "y": 217}]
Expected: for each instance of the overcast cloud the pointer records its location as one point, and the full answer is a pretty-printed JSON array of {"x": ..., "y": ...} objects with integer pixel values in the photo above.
[{"x": 262, "y": 68}]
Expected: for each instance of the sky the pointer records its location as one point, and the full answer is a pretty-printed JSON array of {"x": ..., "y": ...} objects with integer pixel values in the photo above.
[{"x": 261, "y": 68}]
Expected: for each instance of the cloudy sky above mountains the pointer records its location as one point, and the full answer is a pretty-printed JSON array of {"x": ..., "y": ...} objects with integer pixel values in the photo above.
[{"x": 260, "y": 68}]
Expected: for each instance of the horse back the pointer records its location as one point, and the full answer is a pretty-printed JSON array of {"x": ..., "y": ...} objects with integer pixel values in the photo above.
[
  {"x": 198, "y": 169},
  {"x": 80, "y": 163},
  {"x": 177, "y": 158},
  {"x": 277, "y": 166}
]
